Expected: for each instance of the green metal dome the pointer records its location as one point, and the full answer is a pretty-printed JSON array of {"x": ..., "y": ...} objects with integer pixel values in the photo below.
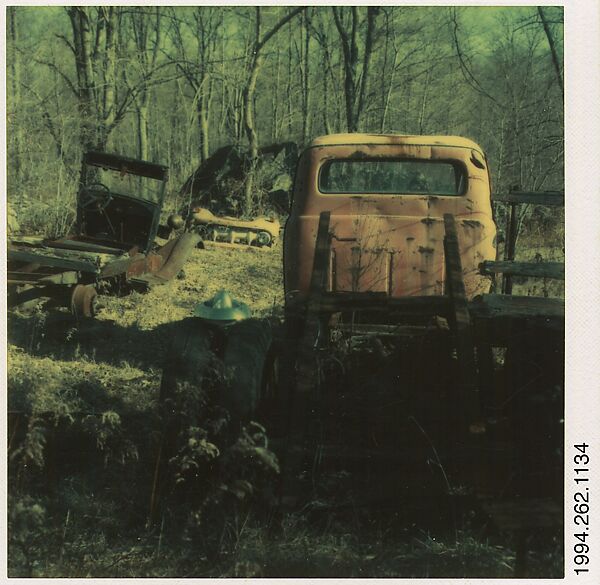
[{"x": 222, "y": 307}]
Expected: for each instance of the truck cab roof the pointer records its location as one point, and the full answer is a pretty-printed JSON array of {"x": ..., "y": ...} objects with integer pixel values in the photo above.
[{"x": 389, "y": 139}]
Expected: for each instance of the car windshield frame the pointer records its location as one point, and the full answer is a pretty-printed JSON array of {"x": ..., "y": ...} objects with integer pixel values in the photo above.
[
  {"x": 461, "y": 177},
  {"x": 143, "y": 177}
]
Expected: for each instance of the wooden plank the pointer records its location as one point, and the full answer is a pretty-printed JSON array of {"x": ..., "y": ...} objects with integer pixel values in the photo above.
[
  {"x": 511, "y": 307},
  {"x": 554, "y": 270},
  {"x": 67, "y": 277},
  {"x": 498, "y": 318},
  {"x": 81, "y": 246},
  {"x": 305, "y": 382},
  {"x": 455, "y": 287},
  {"x": 318, "y": 279},
  {"x": 510, "y": 245},
  {"x": 460, "y": 324},
  {"x": 513, "y": 515},
  {"x": 550, "y": 198},
  {"x": 367, "y": 330},
  {"x": 310, "y": 329},
  {"x": 417, "y": 305},
  {"x": 513, "y": 198},
  {"x": 486, "y": 375},
  {"x": 15, "y": 255},
  {"x": 120, "y": 163},
  {"x": 26, "y": 240}
]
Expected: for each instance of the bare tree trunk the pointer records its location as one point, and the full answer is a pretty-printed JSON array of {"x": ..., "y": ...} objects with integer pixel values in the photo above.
[
  {"x": 14, "y": 60},
  {"x": 142, "y": 126},
  {"x": 326, "y": 124},
  {"x": 386, "y": 92},
  {"x": 355, "y": 82},
  {"x": 306, "y": 81},
  {"x": 207, "y": 26},
  {"x": 109, "y": 112},
  {"x": 248, "y": 105},
  {"x": 349, "y": 49},
  {"x": 83, "y": 65},
  {"x": 550, "y": 38},
  {"x": 252, "y": 136},
  {"x": 327, "y": 74},
  {"x": 256, "y": 60},
  {"x": 147, "y": 55},
  {"x": 203, "y": 117},
  {"x": 290, "y": 77},
  {"x": 275, "y": 100},
  {"x": 372, "y": 12},
  {"x": 82, "y": 43},
  {"x": 423, "y": 108},
  {"x": 95, "y": 65}
]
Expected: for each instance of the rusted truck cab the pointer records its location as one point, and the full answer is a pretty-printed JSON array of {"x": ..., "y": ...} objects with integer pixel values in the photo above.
[{"x": 387, "y": 196}]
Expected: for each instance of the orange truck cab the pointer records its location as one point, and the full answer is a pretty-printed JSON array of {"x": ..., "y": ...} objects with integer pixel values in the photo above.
[{"x": 387, "y": 196}]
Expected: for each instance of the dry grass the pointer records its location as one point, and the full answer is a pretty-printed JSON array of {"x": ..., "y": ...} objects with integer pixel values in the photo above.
[{"x": 251, "y": 275}]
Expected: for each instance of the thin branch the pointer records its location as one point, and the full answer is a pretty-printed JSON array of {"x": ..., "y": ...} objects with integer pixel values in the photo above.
[
  {"x": 277, "y": 26},
  {"x": 466, "y": 71},
  {"x": 49, "y": 123},
  {"x": 66, "y": 41},
  {"x": 55, "y": 68}
]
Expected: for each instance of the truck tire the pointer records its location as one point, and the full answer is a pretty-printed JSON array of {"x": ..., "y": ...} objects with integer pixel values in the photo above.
[
  {"x": 245, "y": 360},
  {"x": 242, "y": 351},
  {"x": 181, "y": 399},
  {"x": 83, "y": 300},
  {"x": 188, "y": 357}
]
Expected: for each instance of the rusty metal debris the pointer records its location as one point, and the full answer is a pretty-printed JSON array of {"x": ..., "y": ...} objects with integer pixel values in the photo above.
[
  {"x": 260, "y": 232},
  {"x": 115, "y": 238}
]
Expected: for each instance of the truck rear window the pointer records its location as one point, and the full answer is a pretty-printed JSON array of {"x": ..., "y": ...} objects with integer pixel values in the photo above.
[{"x": 392, "y": 176}]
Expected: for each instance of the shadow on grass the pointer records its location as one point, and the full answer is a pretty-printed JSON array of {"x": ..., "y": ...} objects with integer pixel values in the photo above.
[{"x": 59, "y": 336}]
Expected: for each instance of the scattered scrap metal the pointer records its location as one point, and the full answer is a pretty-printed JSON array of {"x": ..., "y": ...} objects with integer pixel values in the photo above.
[
  {"x": 115, "y": 240},
  {"x": 258, "y": 232}
]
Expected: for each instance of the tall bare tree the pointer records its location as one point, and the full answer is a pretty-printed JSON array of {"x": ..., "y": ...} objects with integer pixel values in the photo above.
[
  {"x": 205, "y": 31},
  {"x": 146, "y": 28},
  {"x": 97, "y": 50},
  {"x": 356, "y": 69},
  {"x": 14, "y": 61},
  {"x": 256, "y": 60},
  {"x": 553, "y": 51},
  {"x": 95, "y": 37}
]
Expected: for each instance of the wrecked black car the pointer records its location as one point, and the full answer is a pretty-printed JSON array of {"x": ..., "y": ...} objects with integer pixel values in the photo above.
[{"x": 114, "y": 242}]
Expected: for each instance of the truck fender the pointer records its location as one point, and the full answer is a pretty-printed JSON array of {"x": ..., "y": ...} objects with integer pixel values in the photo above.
[{"x": 175, "y": 253}]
